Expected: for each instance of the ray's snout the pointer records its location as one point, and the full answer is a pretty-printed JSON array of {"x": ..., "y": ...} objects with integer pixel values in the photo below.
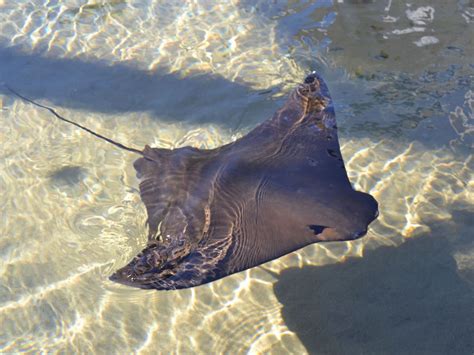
[
  {"x": 367, "y": 211},
  {"x": 353, "y": 220},
  {"x": 359, "y": 234}
]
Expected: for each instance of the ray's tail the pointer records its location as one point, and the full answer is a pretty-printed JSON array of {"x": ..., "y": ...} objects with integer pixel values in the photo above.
[{"x": 111, "y": 141}]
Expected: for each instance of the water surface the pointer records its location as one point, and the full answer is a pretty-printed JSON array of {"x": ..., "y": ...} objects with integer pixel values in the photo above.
[{"x": 200, "y": 74}]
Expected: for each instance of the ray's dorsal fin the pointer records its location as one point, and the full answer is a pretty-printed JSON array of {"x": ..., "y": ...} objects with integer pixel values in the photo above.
[{"x": 111, "y": 141}]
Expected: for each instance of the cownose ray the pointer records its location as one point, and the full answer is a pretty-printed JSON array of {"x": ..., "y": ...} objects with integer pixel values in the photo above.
[{"x": 212, "y": 213}]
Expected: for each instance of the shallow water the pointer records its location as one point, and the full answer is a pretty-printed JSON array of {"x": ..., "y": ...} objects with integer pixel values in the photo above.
[{"x": 200, "y": 74}]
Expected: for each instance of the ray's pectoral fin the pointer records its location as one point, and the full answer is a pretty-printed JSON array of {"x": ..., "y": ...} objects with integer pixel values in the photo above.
[
  {"x": 168, "y": 190},
  {"x": 154, "y": 256},
  {"x": 175, "y": 266},
  {"x": 163, "y": 257},
  {"x": 176, "y": 200}
]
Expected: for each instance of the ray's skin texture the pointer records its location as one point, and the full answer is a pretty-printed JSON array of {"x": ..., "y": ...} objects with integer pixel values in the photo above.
[{"x": 212, "y": 213}]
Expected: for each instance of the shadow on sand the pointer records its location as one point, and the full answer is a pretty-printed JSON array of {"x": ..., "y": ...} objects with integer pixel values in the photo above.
[
  {"x": 118, "y": 88},
  {"x": 404, "y": 300}
]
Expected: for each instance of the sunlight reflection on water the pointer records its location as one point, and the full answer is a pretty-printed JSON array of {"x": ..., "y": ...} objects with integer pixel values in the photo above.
[{"x": 71, "y": 214}]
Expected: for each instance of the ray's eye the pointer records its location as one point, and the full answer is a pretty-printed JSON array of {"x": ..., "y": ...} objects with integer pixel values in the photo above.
[{"x": 317, "y": 229}]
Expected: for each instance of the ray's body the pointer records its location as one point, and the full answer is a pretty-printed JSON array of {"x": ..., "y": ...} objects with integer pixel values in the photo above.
[{"x": 212, "y": 213}]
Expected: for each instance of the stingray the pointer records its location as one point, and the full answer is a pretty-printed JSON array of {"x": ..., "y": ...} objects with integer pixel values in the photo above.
[{"x": 212, "y": 213}]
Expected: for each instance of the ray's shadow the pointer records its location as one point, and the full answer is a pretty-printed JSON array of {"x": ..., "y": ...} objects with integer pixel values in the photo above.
[
  {"x": 119, "y": 88},
  {"x": 404, "y": 300}
]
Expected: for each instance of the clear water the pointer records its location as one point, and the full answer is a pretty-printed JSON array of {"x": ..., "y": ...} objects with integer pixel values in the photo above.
[{"x": 171, "y": 74}]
